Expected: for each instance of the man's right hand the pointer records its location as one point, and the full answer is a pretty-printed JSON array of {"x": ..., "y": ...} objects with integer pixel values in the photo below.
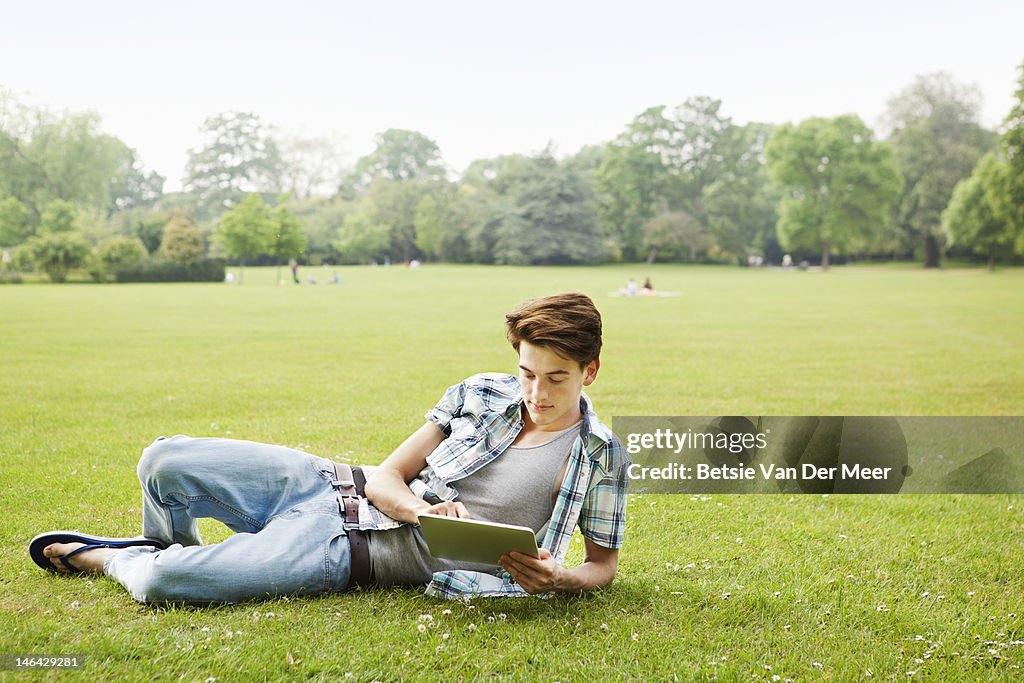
[{"x": 448, "y": 508}]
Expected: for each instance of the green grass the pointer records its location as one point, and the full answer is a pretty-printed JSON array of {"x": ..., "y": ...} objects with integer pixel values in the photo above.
[{"x": 713, "y": 587}]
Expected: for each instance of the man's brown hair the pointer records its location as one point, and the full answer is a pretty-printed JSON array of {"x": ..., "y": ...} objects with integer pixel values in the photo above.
[{"x": 569, "y": 324}]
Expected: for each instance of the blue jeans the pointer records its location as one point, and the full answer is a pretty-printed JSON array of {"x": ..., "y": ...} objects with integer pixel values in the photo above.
[{"x": 289, "y": 536}]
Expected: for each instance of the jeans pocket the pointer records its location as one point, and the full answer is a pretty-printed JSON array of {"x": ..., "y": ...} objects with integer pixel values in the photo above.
[
  {"x": 322, "y": 466},
  {"x": 339, "y": 563}
]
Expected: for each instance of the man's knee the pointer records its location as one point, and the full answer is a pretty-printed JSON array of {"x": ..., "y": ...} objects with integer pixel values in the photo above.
[{"x": 162, "y": 458}]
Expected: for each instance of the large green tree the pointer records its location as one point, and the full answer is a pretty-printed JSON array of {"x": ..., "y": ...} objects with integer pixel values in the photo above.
[
  {"x": 547, "y": 218},
  {"x": 523, "y": 210},
  {"x": 971, "y": 220},
  {"x": 675, "y": 232},
  {"x": 839, "y": 182},
  {"x": 321, "y": 218},
  {"x": 390, "y": 183},
  {"x": 310, "y": 166},
  {"x": 937, "y": 140},
  {"x": 239, "y": 156},
  {"x": 1010, "y": 203},
  {"x": 701, "y": 146},
  {"x": 677, "y": 160},
  {"x": 465, "y": 219},
  {"x": 46, "y": 156},
  {"x": 633, "y": 180},
  {"x": 740, "y": 203},
  {"x": 394, "y": 204},
  {"x": 243, "y": 230},
  {"x": 361, "y": 238},
  {"x": 284, "y": 236},
  {"x": 133, "y": 185},
  {"x": 398, "y": 155},
  {"x": 429, "y": 223}
]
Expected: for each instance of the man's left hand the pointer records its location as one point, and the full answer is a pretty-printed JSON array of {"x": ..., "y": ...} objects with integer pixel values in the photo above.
[{"x": 535, "y": 575}]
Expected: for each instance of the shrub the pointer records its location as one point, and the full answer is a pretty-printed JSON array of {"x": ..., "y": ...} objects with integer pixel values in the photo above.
[
  {"x": 182, "y": 240},
  {"x": 21, "y": 260},
  {"x": 57, "y": 253},
  {"x": 96, "y": 268},
  {"x": 122, "y": 251},
  {"x": 159, "y": 270}
]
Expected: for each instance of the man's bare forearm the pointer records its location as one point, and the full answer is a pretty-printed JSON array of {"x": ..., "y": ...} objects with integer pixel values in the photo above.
[
  {"x": 388, "y": 488},
  {"x": 392, "y": 496},
  {"x": 587, "y": 576}
]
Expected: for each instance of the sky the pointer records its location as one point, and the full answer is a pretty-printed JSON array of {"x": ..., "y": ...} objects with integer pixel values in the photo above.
[{"x": 484, "y": 79}]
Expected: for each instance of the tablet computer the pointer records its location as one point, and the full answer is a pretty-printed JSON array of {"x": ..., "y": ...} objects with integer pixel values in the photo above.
[{"x": 471, "y": 540}]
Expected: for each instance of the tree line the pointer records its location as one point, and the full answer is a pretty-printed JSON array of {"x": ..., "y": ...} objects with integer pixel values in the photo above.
[{"x": 684, "y": 183}]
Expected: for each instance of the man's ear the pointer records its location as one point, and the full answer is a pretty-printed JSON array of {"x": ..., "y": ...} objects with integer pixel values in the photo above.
[{"x": 590, "y": 372}]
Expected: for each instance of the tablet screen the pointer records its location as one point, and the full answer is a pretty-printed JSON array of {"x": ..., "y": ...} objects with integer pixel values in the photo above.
[{"x": 472, "y": 540}]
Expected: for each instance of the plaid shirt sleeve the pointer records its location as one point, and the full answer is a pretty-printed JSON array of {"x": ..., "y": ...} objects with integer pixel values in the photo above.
[
  {"x": 603, "y": 515},
  {"x": 448, "y": 408},
  {"x": 466, "y": 585}
]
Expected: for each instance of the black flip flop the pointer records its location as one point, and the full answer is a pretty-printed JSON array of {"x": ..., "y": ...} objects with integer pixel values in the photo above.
[{"x": 40, "y": 542}]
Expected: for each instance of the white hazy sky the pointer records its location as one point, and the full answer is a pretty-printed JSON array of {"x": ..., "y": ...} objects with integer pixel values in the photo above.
[{"x": 483, "y": 79}]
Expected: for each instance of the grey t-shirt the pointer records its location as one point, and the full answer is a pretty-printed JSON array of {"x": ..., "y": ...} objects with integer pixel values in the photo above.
[{"x": 514, "y": 488}]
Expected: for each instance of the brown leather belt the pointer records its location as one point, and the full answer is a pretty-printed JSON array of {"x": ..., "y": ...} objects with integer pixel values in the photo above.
[{"x": 350, "y": 482}]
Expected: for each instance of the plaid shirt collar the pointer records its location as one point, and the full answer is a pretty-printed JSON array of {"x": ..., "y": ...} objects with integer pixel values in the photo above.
[{"x": 505, "y": 396}]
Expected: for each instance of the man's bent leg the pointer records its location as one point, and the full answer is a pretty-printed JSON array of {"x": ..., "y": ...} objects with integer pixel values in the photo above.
[
  {"x": 240, "y": 483},
  {"x": 301, "y": 552}
]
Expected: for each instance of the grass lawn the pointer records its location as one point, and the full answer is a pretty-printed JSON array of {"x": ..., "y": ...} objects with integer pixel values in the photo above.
[{"x": 711, "y": 587}]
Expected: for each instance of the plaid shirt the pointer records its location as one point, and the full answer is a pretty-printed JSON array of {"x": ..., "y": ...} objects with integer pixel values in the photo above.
[{"x": 481, "y": 417}]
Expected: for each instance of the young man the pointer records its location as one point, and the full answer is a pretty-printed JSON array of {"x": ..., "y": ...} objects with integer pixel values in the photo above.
[{"x": 526, "y": 451}]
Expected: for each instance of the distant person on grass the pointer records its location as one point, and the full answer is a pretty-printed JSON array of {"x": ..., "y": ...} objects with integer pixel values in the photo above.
[{"x": 527, "y": 451}]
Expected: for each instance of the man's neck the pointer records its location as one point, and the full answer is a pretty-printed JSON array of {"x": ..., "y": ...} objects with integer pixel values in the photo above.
[{"x": 568, "y": 421}]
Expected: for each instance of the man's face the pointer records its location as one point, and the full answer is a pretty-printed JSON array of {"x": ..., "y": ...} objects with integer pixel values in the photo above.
[{"x": 552, "y": 386}]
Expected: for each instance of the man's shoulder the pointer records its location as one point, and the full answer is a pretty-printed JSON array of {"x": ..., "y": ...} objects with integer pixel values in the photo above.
[
  {"x": 498, "y": 383},
  {"x": 604, "y": 445},
  {"x": 490, "y": 390}
]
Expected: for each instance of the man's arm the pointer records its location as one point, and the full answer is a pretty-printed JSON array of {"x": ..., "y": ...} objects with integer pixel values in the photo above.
[
  {"x": 388, "y": 488},
  {"x": 544, "y": 575}
]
